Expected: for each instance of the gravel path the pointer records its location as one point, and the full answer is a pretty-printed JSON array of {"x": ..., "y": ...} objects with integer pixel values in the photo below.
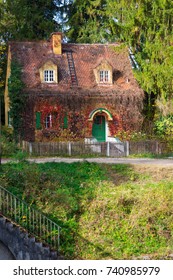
[{"x": 164, "y": 162}]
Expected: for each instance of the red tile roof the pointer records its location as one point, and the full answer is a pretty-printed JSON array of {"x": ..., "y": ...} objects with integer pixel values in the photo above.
[{"x": 32, "y": 55}]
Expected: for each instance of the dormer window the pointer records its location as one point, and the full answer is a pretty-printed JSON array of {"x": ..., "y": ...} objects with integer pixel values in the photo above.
[
  {"x": 103, "y": 73},
  {"x": 104, "y": 76},
  {"x": 49, "y": 72},
  {"x": 49, "y": 76}
]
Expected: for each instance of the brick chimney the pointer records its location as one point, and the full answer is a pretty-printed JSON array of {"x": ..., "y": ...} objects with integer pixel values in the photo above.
[{"x": 56, "y": 42}]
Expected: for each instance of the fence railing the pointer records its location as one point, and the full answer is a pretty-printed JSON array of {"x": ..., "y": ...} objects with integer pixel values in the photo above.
[
  {"x": 76, "y": 148},
  {"x": 111, "y": 149},
  {"x": 149, "y": 146},
  {"x": 36, "y": 223}
]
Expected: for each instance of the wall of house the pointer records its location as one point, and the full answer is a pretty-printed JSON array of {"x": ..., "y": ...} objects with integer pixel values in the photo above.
[
  {"x": 125, "y": 111},
  {"x": 21, "y": 246},
  {"x": 118, "y": 92}
]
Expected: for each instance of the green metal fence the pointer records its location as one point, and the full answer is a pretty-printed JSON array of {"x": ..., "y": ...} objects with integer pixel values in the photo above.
[{"x": 36, "y": 223}]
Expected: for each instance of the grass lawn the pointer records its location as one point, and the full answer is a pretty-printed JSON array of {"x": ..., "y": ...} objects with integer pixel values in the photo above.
[{"x": 105, "y": 211}]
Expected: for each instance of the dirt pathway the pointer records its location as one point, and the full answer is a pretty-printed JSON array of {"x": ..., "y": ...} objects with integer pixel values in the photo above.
[{"x": 146, "y": 161}]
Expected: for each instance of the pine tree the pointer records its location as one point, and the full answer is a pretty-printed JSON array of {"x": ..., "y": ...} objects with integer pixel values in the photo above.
[
  {"x": 29, "y": 19},
  {"x": 144, "y": 25},
  {"x": 26, "y": 19},
  {"x": 87, "y": 21},
  {"x": 147, "y": 28}
]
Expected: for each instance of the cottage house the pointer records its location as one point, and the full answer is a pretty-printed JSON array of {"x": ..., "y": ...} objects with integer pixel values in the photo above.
[{"x": 75, "y": 91}]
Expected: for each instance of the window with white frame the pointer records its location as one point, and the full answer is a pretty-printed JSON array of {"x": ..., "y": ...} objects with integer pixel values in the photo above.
[
  {"x": 104, "y": 76},
  {"x": 48, "y": 121},
  {"x": 49, "y": 76}
]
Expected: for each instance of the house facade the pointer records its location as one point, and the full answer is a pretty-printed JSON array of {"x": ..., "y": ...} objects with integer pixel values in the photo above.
[{"x": 75, "y": 91}]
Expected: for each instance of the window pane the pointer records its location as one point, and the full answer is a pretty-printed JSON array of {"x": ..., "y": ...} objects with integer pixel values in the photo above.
[
  {"x": 51, "y": 76},
  {"x": 106, "y": 76},
  {"x": 101, "y": 76},
  {"x": 48, "y": 75},
  {"x": 48, "y": 121}
]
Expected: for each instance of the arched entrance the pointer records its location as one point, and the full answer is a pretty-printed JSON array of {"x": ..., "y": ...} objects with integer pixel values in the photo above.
[
  {"x": 99, "y": 128},
  {"x": 99, "y": 117}
]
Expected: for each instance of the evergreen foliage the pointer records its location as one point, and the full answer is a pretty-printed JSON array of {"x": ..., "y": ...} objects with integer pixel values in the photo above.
[
  {"x": 144, "y": 25},
  {"x": 17, "y": 99},
  {"x": 2, "y": 64},
  {"x": 3, "y": 59},
  {"x": 24, "y": 19},
  {"x": 87, "y": 21},
  {"x": 164, "y": 127},
  {"x": 8, "y": 146},
  {"x": 149, "y": 34}
]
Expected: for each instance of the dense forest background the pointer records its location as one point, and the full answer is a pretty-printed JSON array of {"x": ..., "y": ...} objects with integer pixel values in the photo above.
[{"x": 145, "y": 26}]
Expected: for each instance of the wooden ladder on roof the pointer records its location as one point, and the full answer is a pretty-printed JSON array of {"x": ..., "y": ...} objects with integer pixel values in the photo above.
[{"x": 72, "y": 68}]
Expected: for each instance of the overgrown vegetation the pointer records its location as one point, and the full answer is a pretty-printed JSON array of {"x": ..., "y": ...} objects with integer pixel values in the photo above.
[
  {"x": 8, "y": 146},
  {"x": 17, "y": 100},
  {"x": 105, "y": 211},
  {"x": 145, "y": 26},
  {"x": 23, "y": 19}
]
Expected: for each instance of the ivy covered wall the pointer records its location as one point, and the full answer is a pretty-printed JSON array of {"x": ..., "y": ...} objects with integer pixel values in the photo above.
[
  {"x": 65, "y": 117},
  {"x": 70, "y": 115}
]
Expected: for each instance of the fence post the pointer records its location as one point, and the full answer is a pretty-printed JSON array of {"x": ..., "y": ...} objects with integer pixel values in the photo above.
[
  {"x": 127, "y": 148},
  {"x": 69, "y": 148},
  {"x": 58, "y": 238},
  {"x": 30, "y": 148},
  {"x": 157, "y": 147},
  {"x": 108, "y": 149}
]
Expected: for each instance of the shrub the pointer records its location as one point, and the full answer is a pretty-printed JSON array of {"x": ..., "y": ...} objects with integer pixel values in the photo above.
[
  {"x": 8, "y": 146},
  {"x": 164, "y": 127}
]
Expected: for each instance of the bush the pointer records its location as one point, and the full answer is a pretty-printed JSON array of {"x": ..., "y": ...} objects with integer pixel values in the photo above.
[
  {"x": 164, "y": 127},
  {"x": 8, "y": 146}
]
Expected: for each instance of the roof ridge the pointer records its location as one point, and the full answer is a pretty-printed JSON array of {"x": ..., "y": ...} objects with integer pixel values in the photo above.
[{"x": 63, "y": 43}]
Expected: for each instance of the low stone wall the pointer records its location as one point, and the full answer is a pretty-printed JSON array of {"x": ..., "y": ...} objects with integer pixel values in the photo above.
[
  {"x": 21, "y": 245},
  {"x": 5, "y": 253}
]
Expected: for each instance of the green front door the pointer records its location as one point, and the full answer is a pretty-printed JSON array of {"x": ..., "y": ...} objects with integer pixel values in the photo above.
[{"x": 99, "y": 128}]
